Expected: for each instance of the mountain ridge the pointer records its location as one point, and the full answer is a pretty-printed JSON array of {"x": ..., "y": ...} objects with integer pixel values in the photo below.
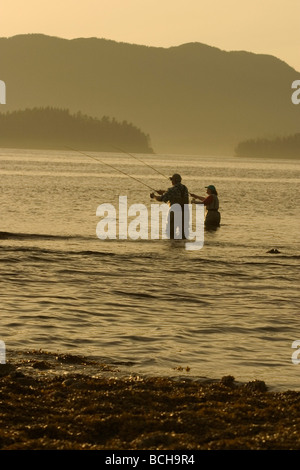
[{"x": 191, "y": 98}]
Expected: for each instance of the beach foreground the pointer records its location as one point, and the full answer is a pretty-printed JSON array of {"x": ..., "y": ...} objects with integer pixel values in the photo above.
[{"x": 46, "y": 403}]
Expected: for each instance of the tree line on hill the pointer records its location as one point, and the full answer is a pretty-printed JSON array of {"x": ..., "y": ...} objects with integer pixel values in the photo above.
[
  {"x": 284, "y": 147},
  {"x": 192, "y": 98},
  {"x": 56, "y": 128}
]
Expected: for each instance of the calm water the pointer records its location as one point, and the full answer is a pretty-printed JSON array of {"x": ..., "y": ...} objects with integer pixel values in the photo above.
[{"x": 152, "y": 306}]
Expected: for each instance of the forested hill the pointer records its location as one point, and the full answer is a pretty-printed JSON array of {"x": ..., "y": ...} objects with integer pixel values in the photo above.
[
  {"x": 54, "y": 128},
  {"x": 280, "y": 147},
  {"x": 191, "y": 98}
]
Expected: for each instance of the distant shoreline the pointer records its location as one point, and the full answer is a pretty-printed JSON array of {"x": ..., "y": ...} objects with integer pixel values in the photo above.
[
  {"x": 65, "y": 148},
  {"x": 280, "y": 147},
  {"x": 268, "y": 157},
  {"x": 153, "y": 153}
]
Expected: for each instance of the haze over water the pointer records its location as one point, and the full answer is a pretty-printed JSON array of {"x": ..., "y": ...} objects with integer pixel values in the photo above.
[{"x": 152, "y": 306}]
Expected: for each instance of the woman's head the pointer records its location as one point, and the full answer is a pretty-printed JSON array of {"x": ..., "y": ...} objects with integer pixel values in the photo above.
[{"x": 211, "y": 189}]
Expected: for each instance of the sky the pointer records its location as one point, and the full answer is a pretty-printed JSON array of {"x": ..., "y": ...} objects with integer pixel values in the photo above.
[{"x": 259, "y": 26}]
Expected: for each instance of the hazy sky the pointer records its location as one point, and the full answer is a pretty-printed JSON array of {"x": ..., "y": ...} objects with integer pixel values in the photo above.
[{"x": 261, "y": 26}]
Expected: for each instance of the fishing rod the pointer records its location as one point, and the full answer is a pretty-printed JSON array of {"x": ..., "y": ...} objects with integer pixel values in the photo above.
[
  {"x": 141, "y": 161},
  {"x": 111, "y": 166}
]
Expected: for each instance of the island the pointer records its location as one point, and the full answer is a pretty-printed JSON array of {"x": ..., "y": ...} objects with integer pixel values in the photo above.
[
  {"x": 279, "y": 147},
  {"x": 54, "y": 128}
]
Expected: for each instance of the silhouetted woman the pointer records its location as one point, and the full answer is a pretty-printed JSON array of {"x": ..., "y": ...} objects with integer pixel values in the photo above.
[{"x": 211, "y": 202}]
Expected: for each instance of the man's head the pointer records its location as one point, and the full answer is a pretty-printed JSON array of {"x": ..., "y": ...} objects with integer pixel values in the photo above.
[{"x": 176, "y": 178}]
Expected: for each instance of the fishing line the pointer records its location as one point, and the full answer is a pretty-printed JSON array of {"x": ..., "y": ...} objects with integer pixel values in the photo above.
[
  {"x": 113, "y": 167},
  {"x": 141, "y": 161}
]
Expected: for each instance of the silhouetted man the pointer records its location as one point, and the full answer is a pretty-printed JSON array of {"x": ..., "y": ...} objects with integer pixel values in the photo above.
[{"x": 178, "y": 216}]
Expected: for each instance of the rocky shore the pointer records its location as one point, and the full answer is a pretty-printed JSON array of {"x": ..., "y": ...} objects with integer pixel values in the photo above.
[{"x": 62, "y": 402}]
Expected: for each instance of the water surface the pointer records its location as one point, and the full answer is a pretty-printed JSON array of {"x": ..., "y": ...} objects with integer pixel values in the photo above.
[{"x": 151, "y": 306}]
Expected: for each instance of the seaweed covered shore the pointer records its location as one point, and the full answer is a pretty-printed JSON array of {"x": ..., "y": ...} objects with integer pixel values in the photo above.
[{"x": 47, "y": 404}]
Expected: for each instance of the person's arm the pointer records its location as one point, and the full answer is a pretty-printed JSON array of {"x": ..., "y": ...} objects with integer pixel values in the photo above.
[
  {"x": 204, "y": 200},
  {"x": 165, "y": 196},
  {"x": 197, "y": 197},
  {"x": 161, "y": 192},
  {"x": 207, "y": 200},
  {"x": 154, "y": 196}
]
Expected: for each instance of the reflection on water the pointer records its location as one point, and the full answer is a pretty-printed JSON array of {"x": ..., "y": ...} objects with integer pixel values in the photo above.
[{"x": 230, "y": 308}]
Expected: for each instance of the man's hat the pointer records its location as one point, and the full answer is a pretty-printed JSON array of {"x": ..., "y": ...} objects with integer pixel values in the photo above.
[{"x": 176, "y": 177}]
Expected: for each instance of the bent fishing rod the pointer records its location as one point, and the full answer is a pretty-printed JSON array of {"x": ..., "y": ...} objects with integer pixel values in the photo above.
[
  {"x": 142, "y": 161},
  {"x": 111, "y": 166}
]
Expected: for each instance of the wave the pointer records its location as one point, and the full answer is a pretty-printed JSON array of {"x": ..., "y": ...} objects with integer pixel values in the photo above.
[
  {"x": 289, "y": 256},
  {"x": 36, "y": 253},
  {"x": 39, "y": 252},
  {"x": 33, "y": 236}
]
